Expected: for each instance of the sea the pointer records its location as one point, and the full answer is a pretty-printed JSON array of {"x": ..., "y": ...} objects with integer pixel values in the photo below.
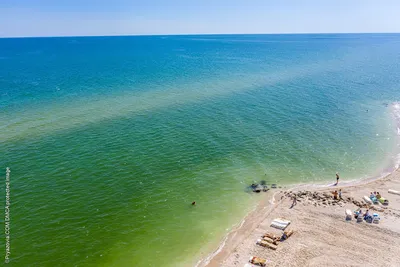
[{"x": 110, "y": 139}]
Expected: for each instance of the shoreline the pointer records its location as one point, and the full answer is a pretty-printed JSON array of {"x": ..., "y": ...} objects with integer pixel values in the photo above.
[{"x": 268, "y": 204}]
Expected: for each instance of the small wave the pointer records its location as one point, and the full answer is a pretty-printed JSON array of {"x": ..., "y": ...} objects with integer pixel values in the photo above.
[
  {"x": 396, "y": 110},
  {"x": 207, "y": 260},
  {"x": 397, "y": 162},
  {"x": 396, "y": 114}
]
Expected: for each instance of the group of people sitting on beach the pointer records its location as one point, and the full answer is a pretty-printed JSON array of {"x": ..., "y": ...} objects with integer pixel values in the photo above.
[
  {"x": 337, "y": 195},
  {"x": 375, "y": 194},
  {"x": 366, "y": 216},
  {"x": 376, "y": 197}
]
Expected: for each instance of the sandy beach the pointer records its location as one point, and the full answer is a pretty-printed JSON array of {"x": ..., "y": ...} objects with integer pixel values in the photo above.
[{"x": 322, "y": 235}]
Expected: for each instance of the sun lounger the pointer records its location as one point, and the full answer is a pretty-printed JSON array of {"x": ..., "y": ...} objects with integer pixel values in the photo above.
[
  {"x": 269, "y": 240},
  {"x": 271, "y": 236},
  {"x": 258, "y": 261},
  {"x": 367, "y": 199},
  {"x": 376, "y": 218},
  {"x": 348, "y": 215},
  {"x": 374, "y": 200},
  {"x": 360, "y": 218},
  {"x": 266, "y": 244},
  {"x": 286, "y": 235},
  {"x": 368, "y": 219},
  {"x": 391, "y": 191},
  {"x": 289, "y": 233},
  {"x": 280, "y": 223},
  {"x": 383, "y": 201}
]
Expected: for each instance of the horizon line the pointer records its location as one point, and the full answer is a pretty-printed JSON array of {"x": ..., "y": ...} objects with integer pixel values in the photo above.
[{"x": 192, "y": 34}]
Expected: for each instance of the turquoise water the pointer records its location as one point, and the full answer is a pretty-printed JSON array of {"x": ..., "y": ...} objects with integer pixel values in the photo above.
[{"x": 109, "y": 139}]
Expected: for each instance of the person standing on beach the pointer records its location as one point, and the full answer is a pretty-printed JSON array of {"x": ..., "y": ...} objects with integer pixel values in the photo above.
[
  {"x": 294, "y": 201},
  {"x": 337, "y": 178}
]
